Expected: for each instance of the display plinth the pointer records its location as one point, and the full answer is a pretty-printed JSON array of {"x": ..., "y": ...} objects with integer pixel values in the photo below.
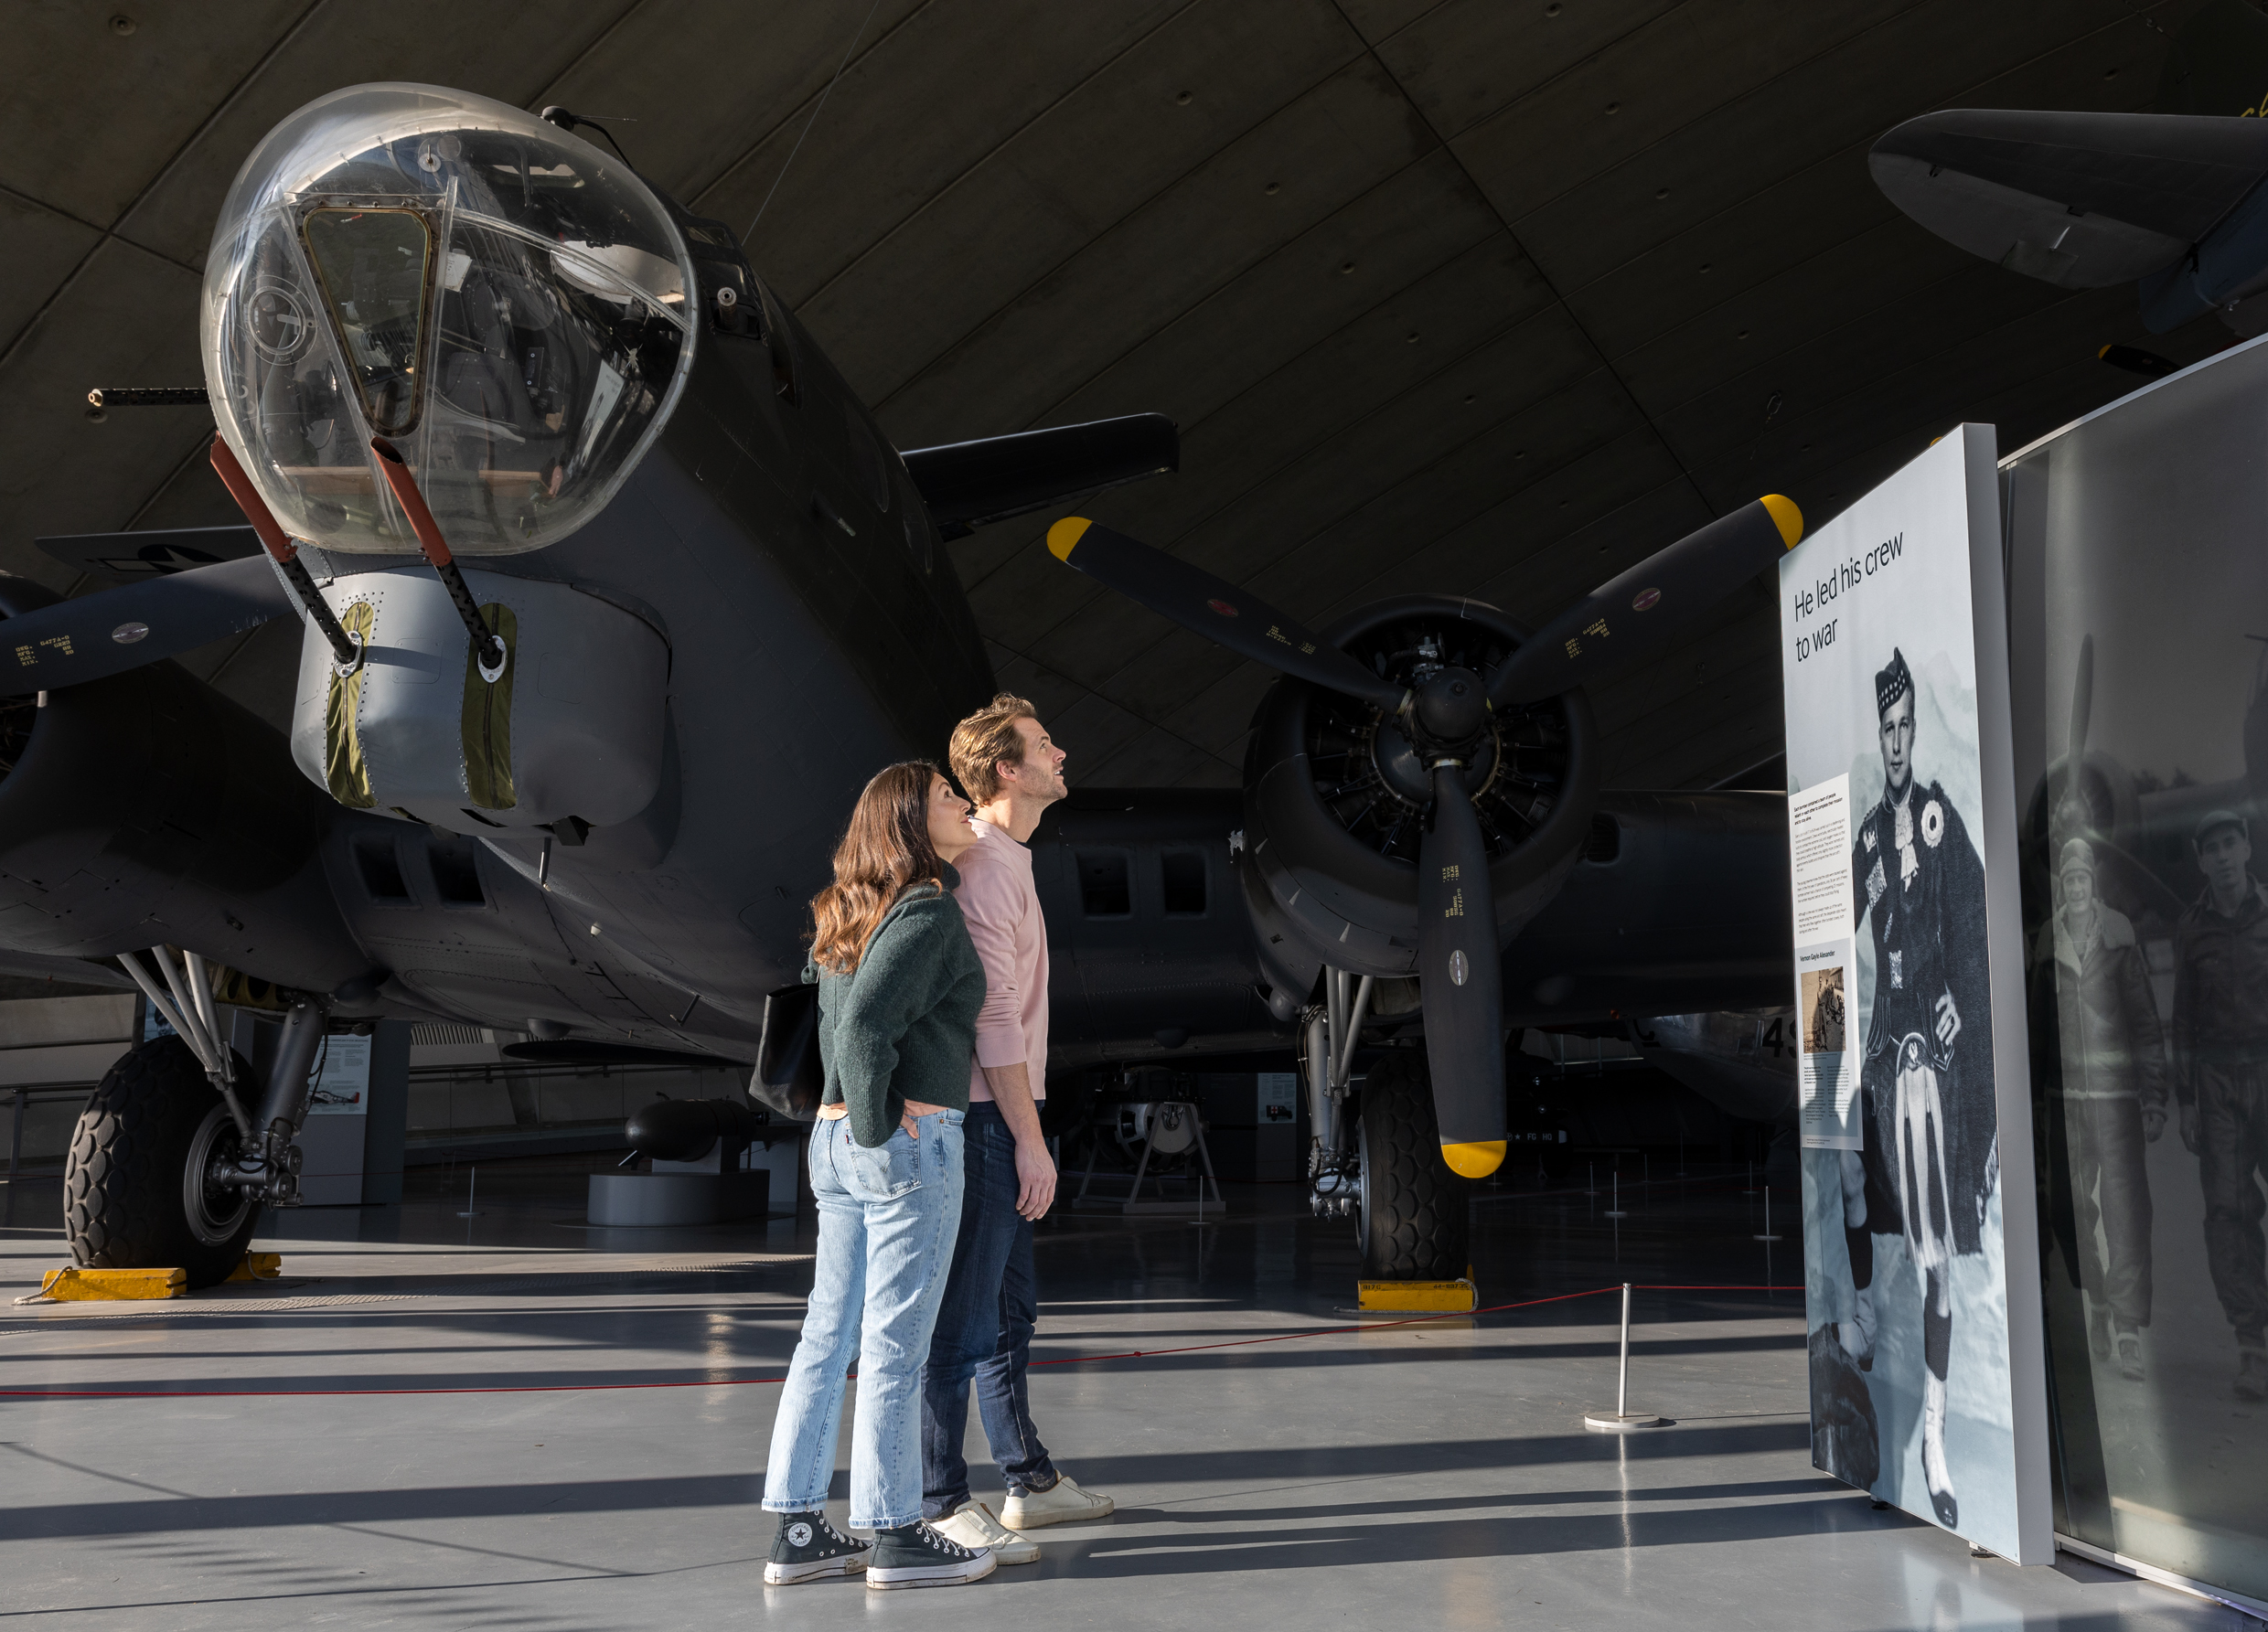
[{"x": 644, "y": 1199}]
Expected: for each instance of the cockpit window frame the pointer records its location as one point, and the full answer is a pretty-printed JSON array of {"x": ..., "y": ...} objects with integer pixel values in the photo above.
[{"x": 437, "y": 226}]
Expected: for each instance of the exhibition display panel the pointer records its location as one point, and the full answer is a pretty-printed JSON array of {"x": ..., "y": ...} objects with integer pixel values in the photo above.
[
  {"x": 2136, "y": 584},
  {"x": 1924, "y": 1346}
]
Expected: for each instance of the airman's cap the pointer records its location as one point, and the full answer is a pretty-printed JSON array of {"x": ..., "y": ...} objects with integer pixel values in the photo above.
[
  {"x": 1891, "y": 683},
  {"x": 2212, "y": 819},
  {"x": 2078, "y": 855}
]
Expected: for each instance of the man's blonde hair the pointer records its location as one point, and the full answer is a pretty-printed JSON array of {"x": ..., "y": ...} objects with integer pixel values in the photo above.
[{"x": 984, "y": 739}]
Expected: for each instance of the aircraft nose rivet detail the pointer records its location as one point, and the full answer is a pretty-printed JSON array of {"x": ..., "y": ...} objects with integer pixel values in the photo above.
[{"x": 125, "y": 634}]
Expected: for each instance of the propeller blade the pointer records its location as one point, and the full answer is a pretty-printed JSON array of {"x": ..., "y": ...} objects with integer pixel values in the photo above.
[
  {"x": 1220, "y": 612},
  {"x": 1636, "y": 616},
  {"x": 95, "y": 637},
  {"x": 2071, "y": 814},
  {"x": 1460, "y": 981},
  {"x": 2082, "y": 697}
]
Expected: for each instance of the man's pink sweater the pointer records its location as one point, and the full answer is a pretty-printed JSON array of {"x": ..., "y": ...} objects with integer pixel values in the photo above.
[{"x": 1003, "y": 908}]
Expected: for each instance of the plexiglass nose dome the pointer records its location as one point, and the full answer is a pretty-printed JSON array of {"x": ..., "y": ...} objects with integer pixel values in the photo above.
[{"x": 505, "y": 302}]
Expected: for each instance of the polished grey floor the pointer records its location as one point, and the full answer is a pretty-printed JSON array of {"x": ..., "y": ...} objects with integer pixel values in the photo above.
[{"x": 343, "y": 1446}]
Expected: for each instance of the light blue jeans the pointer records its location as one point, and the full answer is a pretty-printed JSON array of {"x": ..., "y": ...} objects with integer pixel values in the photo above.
[{"x": 887, "y": 1221}]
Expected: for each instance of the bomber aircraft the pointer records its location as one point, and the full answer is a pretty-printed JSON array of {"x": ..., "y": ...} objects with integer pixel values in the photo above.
[{"x": 613, "y": 594}]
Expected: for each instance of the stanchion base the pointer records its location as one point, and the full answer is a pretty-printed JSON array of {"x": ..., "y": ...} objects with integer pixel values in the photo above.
[
  {"x": 1765, "y": 1238},
  {"x": 1615, "y": 1212},
  {"x": 1621, "y": 1421}
]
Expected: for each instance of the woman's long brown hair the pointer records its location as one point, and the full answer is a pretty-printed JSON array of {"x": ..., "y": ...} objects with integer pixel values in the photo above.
[{"x": 884, "y": 849}]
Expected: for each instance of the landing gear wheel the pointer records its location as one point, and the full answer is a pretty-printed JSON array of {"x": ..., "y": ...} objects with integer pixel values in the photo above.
[
  {"x": 136, "y": 1188},
  {"x": 1415, "y": 1221}
]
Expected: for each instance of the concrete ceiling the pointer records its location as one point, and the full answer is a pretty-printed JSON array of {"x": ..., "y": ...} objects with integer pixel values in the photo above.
[{"x": 1485, "y": 297}]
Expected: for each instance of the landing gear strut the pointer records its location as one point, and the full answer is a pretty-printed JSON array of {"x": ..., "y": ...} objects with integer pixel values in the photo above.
[
  {"x": 1328, "y": 1058},
  {"x": 167, "y": 1166},
  {"x": 1382, "y": 1168}
]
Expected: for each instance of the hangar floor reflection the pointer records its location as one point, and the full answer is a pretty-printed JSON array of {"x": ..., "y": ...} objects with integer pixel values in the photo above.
[{"x": 306, "y": 1469}]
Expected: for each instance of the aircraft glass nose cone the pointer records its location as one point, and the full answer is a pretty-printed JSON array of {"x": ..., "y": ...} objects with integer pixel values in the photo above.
[
  {"x": 1451, "y": 706},
  {"x": 507, "y": 303}
]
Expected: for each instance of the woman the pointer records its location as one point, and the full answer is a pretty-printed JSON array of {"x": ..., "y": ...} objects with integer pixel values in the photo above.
[{"x": 899, "y": 985}]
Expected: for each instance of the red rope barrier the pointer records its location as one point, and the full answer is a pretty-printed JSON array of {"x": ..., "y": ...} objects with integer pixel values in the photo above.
[{"x": 593, "y": 1388}]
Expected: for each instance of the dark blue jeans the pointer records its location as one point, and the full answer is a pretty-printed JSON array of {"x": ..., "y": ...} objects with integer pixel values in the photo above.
[{"x": 984, "y": 1330}]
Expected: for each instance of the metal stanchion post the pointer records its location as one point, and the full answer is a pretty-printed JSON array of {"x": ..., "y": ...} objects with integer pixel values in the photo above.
[
  {"x": 1616, "y": 1212},
  {"x": 472, "y": 1188},
  {"x": 1590, "y": 1178},
  {"x": 1768, "y": 1234},
  {"x": 1623, "y": 1419},
  {"x": 16, "y": 1150}
]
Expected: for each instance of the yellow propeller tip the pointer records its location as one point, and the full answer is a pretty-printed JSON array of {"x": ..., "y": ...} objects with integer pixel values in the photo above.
[
  {"x": 1474, "y": 1161},
  {"x": 1064, "y": 535},
  {"x": 1786, "y": 517}
]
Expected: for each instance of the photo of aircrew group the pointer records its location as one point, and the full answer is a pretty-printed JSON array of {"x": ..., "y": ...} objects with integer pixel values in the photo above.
[{"x": 2115, "y": 1061}]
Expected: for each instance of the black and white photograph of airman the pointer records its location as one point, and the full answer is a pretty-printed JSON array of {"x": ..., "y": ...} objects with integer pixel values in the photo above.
[
  {"x": 1926, "y": 1168},
  {"x": 2220, "y": 1051},
  {"x": 2107, "y": 1102}
]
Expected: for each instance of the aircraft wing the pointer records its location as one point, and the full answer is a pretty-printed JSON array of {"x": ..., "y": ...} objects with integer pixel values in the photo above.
[
  {"x": 72, "y": 971},
  {"x": 2082, "y": 200},
  {"x": 969, "y": 484}
]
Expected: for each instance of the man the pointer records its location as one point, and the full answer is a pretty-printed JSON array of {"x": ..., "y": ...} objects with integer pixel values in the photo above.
[
  {"x": 1927, "y": 1167},
  {"x": 1012, "y": 772},
  {"x": 2221, "y": 1039},
  {"x": 2112, "y": 1083}
]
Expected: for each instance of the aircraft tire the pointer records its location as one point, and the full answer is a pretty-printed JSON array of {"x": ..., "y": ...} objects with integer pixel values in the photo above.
[
  {"x": 1416, "y": 1218},
  {"x": 127, "y": 1190}
]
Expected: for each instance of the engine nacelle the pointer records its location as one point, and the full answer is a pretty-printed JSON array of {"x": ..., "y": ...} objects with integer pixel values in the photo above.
[
  {"x": 147, "y": 809},
  {"x": 1335, "y": 797}
]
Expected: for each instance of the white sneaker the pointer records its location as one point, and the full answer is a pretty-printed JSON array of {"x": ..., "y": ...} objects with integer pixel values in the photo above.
[
  {"x": 1063, "y": 1502},
  {"x": 972, "y": 1525}
]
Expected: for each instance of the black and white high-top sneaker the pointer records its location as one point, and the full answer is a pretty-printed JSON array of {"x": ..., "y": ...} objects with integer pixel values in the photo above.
[
  {"x": 917, "y": 1555},
  {"x": 809, "y": 1549}
]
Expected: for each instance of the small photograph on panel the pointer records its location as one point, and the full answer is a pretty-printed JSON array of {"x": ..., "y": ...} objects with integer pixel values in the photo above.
[{"x": 1823, "y": 1010}]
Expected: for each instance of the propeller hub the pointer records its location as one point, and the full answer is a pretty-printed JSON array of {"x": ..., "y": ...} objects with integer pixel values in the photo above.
[
  {"x": 1450, "y": 708},
  {"x": 1409, "y": 774}
]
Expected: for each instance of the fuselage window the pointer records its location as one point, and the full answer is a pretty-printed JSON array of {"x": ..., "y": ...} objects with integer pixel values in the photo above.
[
  {"x": 1182, "y": 877},
  {"x": 457, "y": 873},
  {"x": 380, "y": 868},
  {"x": 1105, "y": 888}
]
